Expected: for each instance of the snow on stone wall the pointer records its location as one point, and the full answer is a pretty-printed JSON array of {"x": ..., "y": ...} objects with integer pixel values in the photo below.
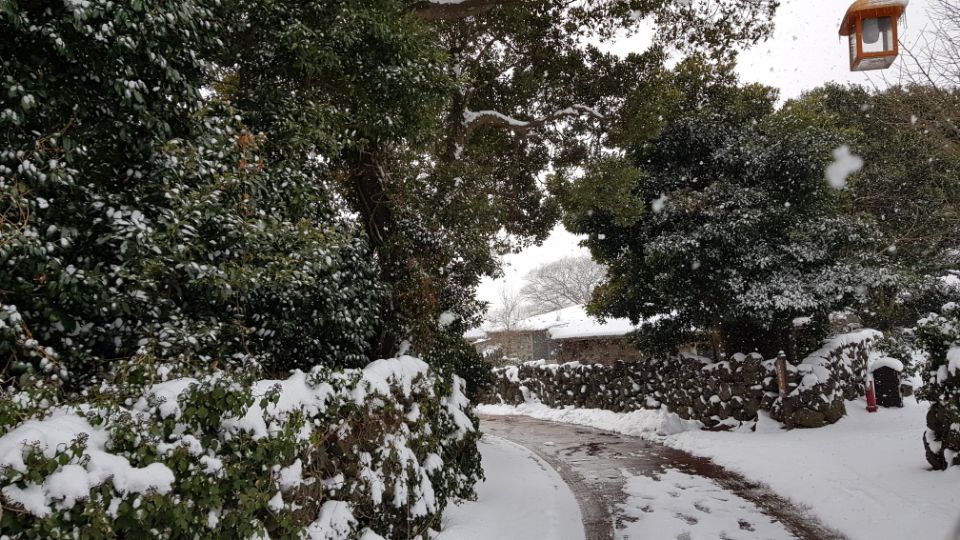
[
  {"x": 720, "y": 395},
  {"x": 820, "y": 383}
]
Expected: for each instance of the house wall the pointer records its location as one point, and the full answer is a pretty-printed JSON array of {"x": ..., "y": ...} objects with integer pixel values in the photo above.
[
  {"x": 604, "y": 351},
  {"x": 523, "y": 345}
]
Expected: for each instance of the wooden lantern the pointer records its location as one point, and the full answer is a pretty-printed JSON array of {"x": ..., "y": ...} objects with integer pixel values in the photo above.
[{"x": 871, "y": 27}]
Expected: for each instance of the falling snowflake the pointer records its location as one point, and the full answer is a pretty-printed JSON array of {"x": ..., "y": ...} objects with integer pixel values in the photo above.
[{"x": 844, "y": 164}]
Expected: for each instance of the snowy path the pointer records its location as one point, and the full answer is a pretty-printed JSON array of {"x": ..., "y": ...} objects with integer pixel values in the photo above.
[
  {"x": 629, "y": 488},
  {"x": 523, "y": 498},
  {"x": 865, "y": 476}
]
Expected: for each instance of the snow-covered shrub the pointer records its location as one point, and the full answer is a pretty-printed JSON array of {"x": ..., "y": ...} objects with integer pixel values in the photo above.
[
  {"x": 322, "y": 454},
  {"x": 939, "y": 335},
  {"x": 453, "y": 354},
  {"x": 902, "y": 346}
]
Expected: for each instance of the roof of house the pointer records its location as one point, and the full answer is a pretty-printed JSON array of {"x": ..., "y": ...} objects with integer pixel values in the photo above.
[
  {"x": 474, "y": 334},
  {"x": 567, "y": 323}
]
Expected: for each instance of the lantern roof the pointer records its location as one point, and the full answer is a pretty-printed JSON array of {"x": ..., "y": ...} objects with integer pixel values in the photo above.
[{"x": 871, "y": 7}]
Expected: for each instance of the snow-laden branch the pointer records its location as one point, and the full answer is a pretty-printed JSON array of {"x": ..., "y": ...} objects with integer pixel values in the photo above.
[
  {"x": 450, "y": 10},
  {"x": 474, "y": 119}
]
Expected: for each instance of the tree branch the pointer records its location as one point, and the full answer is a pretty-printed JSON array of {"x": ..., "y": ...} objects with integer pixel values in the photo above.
[
  {"x": 452, "y": 10},
  {"x": 474, "y": 119}
]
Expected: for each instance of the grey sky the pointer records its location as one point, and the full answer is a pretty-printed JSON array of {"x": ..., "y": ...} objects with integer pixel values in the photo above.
[{"x": 804, "y": 52}]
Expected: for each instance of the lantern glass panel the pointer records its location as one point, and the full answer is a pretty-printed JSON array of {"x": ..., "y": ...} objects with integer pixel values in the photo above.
[{"x": 877, "y": 35}]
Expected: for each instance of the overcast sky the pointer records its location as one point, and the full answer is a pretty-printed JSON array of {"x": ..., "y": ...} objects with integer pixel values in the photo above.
[{"x": 804, "y": 52}]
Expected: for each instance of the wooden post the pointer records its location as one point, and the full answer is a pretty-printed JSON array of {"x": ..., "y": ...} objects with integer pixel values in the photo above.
[
  {"x": 716, "y": 341},
  {"x": 786, "y": 403}
]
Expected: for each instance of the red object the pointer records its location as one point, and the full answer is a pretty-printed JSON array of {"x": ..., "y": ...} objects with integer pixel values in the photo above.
[{"x": 871, "y": 397}]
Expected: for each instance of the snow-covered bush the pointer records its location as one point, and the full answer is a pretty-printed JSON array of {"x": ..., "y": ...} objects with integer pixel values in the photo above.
[
  {"x": 322, "y": 454},
  {"x": 939, "y": 336},
  {"x": 136, "y": 213}
]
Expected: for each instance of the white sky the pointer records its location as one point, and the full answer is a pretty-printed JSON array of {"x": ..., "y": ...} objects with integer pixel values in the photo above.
[{"x": 804, "y": 52}]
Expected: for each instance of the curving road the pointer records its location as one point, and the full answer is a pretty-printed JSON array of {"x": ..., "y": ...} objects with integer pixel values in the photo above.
[{"x": 630, "y": 488}]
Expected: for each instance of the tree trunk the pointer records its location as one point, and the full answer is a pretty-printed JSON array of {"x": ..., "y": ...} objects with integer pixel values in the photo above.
[{"x": 372, "y": 202}]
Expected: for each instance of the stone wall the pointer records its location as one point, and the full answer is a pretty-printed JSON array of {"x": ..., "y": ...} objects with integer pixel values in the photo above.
[
  {"x": 821, "y": 382},
  {"x": 721, "y": 395}
]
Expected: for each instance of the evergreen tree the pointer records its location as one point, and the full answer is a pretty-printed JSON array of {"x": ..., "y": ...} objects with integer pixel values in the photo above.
[
  {"x": 139, "y": 217},
  {"x": 334, "y": 190},
  {"x": 441, "y": 160},
  {"x": 722, "y": 221},
  {"x": 909, "y": 144},
  {"x": 907, "y": 138}
]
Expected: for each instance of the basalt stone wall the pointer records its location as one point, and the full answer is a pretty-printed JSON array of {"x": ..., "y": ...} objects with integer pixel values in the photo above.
[
  {"x": 821, "y": 382},
  {"x": 941, "y": 440},
  {"x": 721, "y": 395}
]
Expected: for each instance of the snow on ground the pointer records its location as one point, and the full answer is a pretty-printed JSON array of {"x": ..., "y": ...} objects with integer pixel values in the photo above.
[
  {"x": 522, "y": 498},
  {"x": 679, "y": 505},
  {"x": 865, "y": 475}
]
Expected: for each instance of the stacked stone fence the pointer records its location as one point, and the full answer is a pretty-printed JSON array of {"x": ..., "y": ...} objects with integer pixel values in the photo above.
[
  {"x": 941, "y": 440},
  {"x": 721, "y": 395},
  {"x": 820, "y": 383}
]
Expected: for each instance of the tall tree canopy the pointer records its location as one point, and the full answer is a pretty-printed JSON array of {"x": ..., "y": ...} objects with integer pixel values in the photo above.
[
  {"x": 910, "y": 147},
  {"x": 442, "y": 117},
  {"x": 911, "y": 154},
  {"x": 721, "y": 218},
  {"x": 291, "y": 183}
]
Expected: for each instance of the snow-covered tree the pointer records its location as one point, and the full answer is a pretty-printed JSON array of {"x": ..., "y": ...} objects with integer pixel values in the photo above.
[
  {"x": 444, "y": 155},
  {"x": 137, "y": 216},
  {"x": 151, "y": 238},
  {"x": 741, "y": 232},
  {"x": 907, "y": 139},
  {"x": 562, "y": 283}
]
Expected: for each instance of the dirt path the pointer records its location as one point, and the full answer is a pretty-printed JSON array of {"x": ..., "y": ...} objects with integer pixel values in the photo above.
[{"x": 597, "y": 466}]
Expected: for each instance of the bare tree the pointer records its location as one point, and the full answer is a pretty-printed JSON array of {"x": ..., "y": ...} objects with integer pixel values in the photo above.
[
  {"x": 562, "y": 283},
  {"x": 511, "y": 309},
  {"x": 934, "y": 58}
]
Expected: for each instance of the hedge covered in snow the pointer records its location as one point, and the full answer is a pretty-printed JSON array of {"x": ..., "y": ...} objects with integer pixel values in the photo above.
[
  {"x": 720, "y": 395},
  {"x": 939, "y": 335},
  {"x": 364, "y": 453}
]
